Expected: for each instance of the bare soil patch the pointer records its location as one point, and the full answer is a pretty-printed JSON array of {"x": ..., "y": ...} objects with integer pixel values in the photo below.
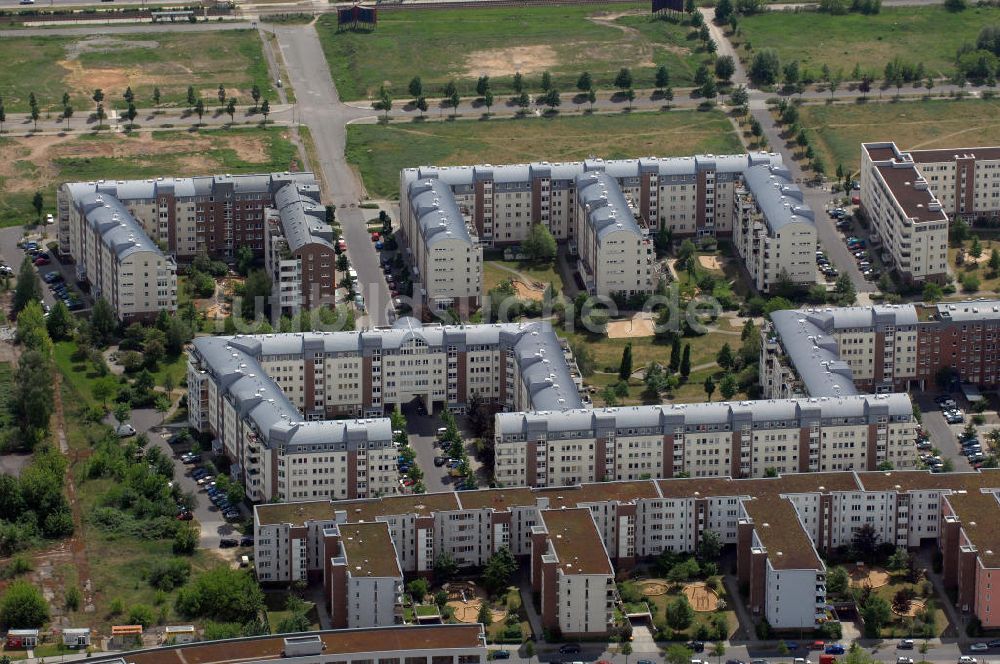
[
  {"x": 504, "y": 61},
  {"x": 916, "y": 606},
  {"x": 710, "y": 262},
  {"x": 653, "y": 588},
  {"x": 865, "y": 576},
  {"x": 533, "y": 291},
  {"x": 640, "y": 325},
  {"x": 701, "y": 597}
]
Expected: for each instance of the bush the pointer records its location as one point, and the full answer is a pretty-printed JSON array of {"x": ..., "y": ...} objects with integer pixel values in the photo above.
[
  {"x": 169, "y": 574},
  {"x": 23, "y": 606},
  {"x": 141, "y": 615}
]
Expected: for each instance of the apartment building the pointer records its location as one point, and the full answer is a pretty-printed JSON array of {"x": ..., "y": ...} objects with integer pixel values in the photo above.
[
  {"x": 298, "y": 249},
  {"x": 572, "y": 574},
  {"x": 264, "y": 398},
  {"x": 116, "y": 257},
  {"x": 906, "y": 217},
  {"x": 738, "y": 439},
  {"x": 424, "y": 644},
  {"x": 615, "y": 254},
  {"x": 779, "y": 565},
  {"x": 445, "y": 254},
  {"x": 777, "y": 524},
  {"x": 774, "y": 230},
  {"x": 363, "y": 581},
  {"x": 838, "y": 351}
]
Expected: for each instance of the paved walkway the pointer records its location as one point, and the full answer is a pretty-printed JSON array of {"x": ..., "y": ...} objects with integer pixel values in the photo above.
[{"x": 529, "y": 607}]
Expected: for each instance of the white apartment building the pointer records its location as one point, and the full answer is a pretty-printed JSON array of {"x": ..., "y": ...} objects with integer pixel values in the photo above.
[
  {"x": 615, "y": 254},
  {"x": 364, "y": 584},
  {"x": 778, "y": 525},
  {"x": 738, "y": 439},
  {"x": 446, "y": 258},
  {"x": 774, "y": 230},
  {"x": 905, "y": 213},
  {"x": 115, "y": 256},
  {"x": 572, "y": 574}
]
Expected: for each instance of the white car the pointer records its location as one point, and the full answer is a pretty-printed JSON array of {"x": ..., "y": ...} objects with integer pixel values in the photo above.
[
  {"x": 126, "y": 430},
  {"x": 979, "y": 647},
  {"x": 904, "y": 660},
  {"x": 966, "y": 659}
]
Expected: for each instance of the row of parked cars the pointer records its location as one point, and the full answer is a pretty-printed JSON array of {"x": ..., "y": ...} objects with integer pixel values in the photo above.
[
  {"x": 61, "y": 291},
  {"x": 824, "y": 266},
  {"x": 949, "y": 408}
]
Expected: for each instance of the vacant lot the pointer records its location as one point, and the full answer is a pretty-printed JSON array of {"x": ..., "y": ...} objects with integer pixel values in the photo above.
[
  {"x": 462, "y": 45},
  {"x": 915, "y": 34},
  {"x": 44, "y": 162},
  {"x": 51, "y": 66},
  {"x": 840, "y": 130},
  {"x": 381, "y": 151}
]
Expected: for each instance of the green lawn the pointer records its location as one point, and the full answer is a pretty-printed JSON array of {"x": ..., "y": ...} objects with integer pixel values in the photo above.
[
  {"x": 441, "y": 45},
  {"x": 381, "y": 151},
  {"x": 930, "y": 35},
  {"x": 25, "y": 168},
  {"x": 50, "y": 66},
  {"x": 839, "y": 130},
  {"x": 493, "y": 273}
]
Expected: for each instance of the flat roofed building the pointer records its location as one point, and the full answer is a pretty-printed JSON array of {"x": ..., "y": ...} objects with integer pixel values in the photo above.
[
  {"x": 572, "y": 574},
  {"x": 363, "y": 580},
  {"x": 905, "y": 215},
  {"x": 424, "y": 644}
]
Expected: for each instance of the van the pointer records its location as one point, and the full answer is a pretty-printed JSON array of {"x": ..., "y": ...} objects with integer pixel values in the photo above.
[{"x": 244, "y": 561}]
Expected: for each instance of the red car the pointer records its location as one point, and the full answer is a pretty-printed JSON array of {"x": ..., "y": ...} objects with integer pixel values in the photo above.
[
  {"x": 185, "y": 516},
  {"x": 375, "y": 236},
  {"x": 41, "y": 260}
]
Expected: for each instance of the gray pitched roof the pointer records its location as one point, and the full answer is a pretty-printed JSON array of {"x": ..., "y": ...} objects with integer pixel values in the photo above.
[
  {"x": 303, "y": 219},
  {"x": 116, "y": 226},
  {"x": 780, "y": 200},
  {"x": 664, "y": 418},
  {"x": 605, "y": 205},
  {"x": 436, "y": 211}
]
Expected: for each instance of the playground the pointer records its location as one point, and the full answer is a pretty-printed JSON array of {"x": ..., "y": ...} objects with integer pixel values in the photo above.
[
  {"x": 702, "y": 597},
  {"x": 466, "y": 598},
  {"x": 872, "y": 577},
  {"x": 640, "y": 325}
]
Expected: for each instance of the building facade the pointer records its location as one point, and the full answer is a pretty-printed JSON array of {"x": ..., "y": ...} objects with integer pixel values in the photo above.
[
  {"x": 445, "y": 254},
  {"x": 906, "y": 217},
  {"x": 116, "y": 257},
  {"x": 777, "y": 524},
  {"x": 364, "y": 585},
  {"x": 883, "y": 348},
  {"x": 774, "y": 231}
]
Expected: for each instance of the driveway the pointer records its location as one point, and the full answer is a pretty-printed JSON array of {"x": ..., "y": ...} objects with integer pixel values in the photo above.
[{"x": 944, "y": 436}]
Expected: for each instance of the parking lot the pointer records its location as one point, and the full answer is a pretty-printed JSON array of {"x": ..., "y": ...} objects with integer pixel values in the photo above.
[
  {"x": 944, "y": 436},
  {"x": 11, "y": 254},
  {"x": 423, "y": 439}
]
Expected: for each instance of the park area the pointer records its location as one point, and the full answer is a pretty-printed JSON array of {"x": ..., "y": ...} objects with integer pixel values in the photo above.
[
  {"x": 838, "y": 130},
  {"x": 443, "y": 45},
  {"x": 40, "y": 163},
  {"x": 695, "y": 609},
  {"x": 51, "y": 66},
  {"x": 453, "y": 602},
  {"x": 931, "y": 35},
  {"x": 381, "y": 151}
]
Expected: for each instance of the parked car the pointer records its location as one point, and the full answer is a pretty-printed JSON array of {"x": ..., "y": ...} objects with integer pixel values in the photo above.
[
  {"x": 228, "y": 543},
  {"x": 695, "y": 646},
  {"x": 246, "y": 540},
  {"x": 966, "y": 659},
  {"x": 904, "y": 660},
  {"x": 569, "y": 649},
  {"x": 184, "y": 516},
  {"x": 905, "y": 644},
  {"x": 505, "y": 654},
  {"x": 192, "y": 458},
  {"x": 231, "y": 515},
  {"x": 834, "y": 649},
  {"x": 125, "y": 430},
  {"x": 440, "y": 461}
]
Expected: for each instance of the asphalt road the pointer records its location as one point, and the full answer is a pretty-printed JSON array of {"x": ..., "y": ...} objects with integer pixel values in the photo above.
[
  {"x": 325, "y": 116},
  {"x": 944, "y": 436}
]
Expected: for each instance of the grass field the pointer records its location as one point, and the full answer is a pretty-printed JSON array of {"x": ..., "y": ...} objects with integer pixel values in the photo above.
[
  {"x": 494, "y": 273},
  {"x": 840, "y": 129},
  {"x": 50, "y": 66},
  {"x": 380, "y": 151},
  {"x": 439, "y": 45},
  {"x": 43, "y": 162},
  {"x": 930, "y": 35}
]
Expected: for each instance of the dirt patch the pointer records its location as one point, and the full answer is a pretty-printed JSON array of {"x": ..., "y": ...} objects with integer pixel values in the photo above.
[
  {"x": 504, "y": 61},
  {"x": 640, "y": 325},
  {"x": 468, "y": 612},
  {"x": 865, "y": 576},
  {"x": 710, "y": 262},
  {"x": 916, "y": 606},
  {"x": 702, "y": 597},
  {"x": 533, "y": 291},
  {"x": 653, "y": 588}
]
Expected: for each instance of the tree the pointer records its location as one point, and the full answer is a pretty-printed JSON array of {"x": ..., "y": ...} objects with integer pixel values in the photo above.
[
  {"x": 677, "y": 653},
  {"x": 484, "y": 616},
  {"x": 685, "y": 367},
  {"x": 837, "y": 581},
  {"x": 976, "y": 248},
  {"x": 540, "y": 245},
  {"x": 454, "y": 100},
  {"x": 623, "y": 79},
  {"x": 724, "y": 358},
  {"x": 129, "y": 96},
  {"x": 625, "y": 368},
  {"x": 725, "y": 67},
  {"x": 98, "y": 96},
  {"x": 625, "y": 649},
  {"x": 675, "y": 354},
  {"x": 955, "y": 5},
  {"x": 222, "y": 95},
  {"x": 38, "y": 202},
  {"x": 162, "y": 405},
  {"x": 630, "y": 97},
  {"x": 422, "y": 105},
  {"x": 3, "y": 115},
  {"x": 416, "y": 87},
  {"x": 679, "y": 613},
  {"x": 482, "y": 85},
  {"x": 265, "y": 109},
  {"x": 417, "y": 589},
  {"x": 488, "y": 100},
  {"x": 103, "y": 323},
  {"x": 663, "y": 77},
  {"x": 231, "y": 109},
  {"x": 584, "y": 82},
  {"x": 156, "y": 95},
  {"x": 518, "y": 83},
  {"x": 29, "y": 288},
  {"x": 222, "y": 593},
  {"x": 994, "y": 261},
  {"x": 185, "y": 541},
  {"x": 844, "y": 289},
  {"x": 499, "y": 570},
  {"x": 591, "y": 98},
  {"x": 709, "y": 387},
  {"x": 710, "y": 546},
  {"x": 765, "y": 66},
  {"x": 445, "y": 568},
  {"x": 876, "y": 613},
  {"x": 104, "y": 388},
  {"x": 130, "y": 114},
  {"x": 723, "y": 11},
  {"x": 60, "y": 322},
  {"x": 719, "y": 650},
  {"x": 898, "y": 560},
  {"x": 23, "y": 606},
  {"x": 729, "y": 386},
  {"x": 701, "y": 74},
  {"x": 864, "y": 542},
  {"x": 903, "y": 599},
  {"x": 191, "y": 98},
  {"x": 546, "y": 81},
  {"x": 101, "y": 115},
  {"x": 199, "y": 108}
]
